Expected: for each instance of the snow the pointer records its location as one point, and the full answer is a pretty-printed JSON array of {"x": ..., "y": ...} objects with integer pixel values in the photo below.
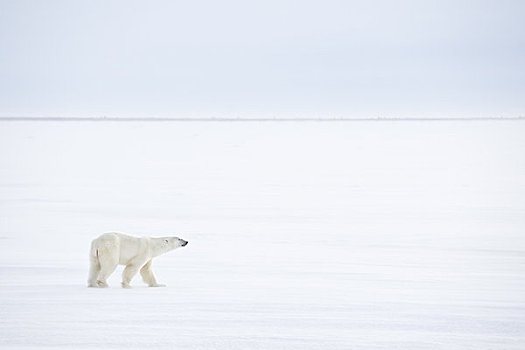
[{"x": 302, "y": 235}]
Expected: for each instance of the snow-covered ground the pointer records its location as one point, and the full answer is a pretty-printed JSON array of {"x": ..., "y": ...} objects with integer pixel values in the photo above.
[{"x": 313, "y": 235}]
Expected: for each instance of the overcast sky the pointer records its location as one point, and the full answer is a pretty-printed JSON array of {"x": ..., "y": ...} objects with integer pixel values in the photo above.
[{"x": 271, "y": 58}]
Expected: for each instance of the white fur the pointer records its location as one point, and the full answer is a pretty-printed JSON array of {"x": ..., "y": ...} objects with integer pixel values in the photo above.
[{"x": 112, "y": 249}]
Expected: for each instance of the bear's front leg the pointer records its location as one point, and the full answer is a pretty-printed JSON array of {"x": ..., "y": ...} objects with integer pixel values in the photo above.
[
  {"x": 129, "y": 272},
  {"x": 147, "y": 275}
]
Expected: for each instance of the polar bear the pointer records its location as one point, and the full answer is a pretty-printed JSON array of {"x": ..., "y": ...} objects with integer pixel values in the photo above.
[{"x": 112, "y": 249}]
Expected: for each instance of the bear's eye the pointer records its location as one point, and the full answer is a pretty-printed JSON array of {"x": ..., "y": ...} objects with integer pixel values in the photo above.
[{"x": 166, "y": 240}]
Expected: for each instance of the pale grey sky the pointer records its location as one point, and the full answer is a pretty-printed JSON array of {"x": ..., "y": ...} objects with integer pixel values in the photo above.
[{"x": 265, "y": 58}]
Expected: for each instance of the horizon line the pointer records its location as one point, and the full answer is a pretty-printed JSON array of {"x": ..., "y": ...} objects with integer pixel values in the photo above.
[{"x": 260, "y": 119}]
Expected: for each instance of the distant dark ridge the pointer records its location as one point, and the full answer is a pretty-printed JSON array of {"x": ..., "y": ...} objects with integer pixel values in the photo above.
[{"x": 167, "y": 119}]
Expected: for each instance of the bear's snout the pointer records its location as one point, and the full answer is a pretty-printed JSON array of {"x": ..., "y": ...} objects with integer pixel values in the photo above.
[{"x": 184, "y": 243}]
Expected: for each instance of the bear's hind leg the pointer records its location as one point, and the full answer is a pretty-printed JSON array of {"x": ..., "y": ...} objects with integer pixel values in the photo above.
[
  {"x": 108, "y": 264},
  {"x": 94, "y": 270}
]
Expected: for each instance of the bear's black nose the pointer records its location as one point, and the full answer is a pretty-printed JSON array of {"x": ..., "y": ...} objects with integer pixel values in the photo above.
[{"x": 185, "y": 242}]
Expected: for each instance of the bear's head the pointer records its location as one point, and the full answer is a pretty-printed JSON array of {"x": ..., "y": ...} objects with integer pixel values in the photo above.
[
  {"x": 161, "y": 245},
  {"x": 170, "y": 243}
]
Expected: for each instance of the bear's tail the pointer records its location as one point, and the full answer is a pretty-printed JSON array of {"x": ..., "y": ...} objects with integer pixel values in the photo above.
[{"x": 103, "y": 245}]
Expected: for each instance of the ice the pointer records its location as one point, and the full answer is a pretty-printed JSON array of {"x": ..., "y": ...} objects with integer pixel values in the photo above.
[{"x": 302, "y": 235}]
